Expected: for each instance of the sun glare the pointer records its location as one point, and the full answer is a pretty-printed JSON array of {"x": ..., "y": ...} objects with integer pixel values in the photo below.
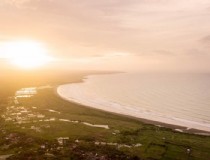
[{"x": 25, "y": 54}]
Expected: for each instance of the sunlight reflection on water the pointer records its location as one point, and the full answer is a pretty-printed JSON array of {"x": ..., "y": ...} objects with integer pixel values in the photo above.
[{"x": 26, "y": 92}]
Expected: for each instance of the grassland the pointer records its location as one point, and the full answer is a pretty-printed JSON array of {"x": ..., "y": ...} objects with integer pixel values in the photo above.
[{"x": 31, "y": 128}]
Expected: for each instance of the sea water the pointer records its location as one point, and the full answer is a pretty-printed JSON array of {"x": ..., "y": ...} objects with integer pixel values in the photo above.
[{"x": 180, "y": 99}]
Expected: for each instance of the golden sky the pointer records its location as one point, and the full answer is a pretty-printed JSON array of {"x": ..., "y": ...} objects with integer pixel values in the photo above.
[{"x": 169, "y": 35}]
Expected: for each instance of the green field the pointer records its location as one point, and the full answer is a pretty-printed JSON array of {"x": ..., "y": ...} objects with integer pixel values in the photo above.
[{"x": 30, "y": 129}]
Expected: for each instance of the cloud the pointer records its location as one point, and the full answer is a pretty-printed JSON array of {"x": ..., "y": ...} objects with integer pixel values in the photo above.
[
  {"x": 93, "y": 28},
  {"x": 16, "y": 3},
  {"x": 23, "y": 4},
  {"x": 206, "y": 39}
]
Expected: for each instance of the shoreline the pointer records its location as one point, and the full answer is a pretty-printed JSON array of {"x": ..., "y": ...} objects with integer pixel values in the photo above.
[{"x": 179, "y": 125}]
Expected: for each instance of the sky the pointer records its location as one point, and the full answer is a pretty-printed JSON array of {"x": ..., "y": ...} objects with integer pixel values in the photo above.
[{"x": 134, "y": 35}]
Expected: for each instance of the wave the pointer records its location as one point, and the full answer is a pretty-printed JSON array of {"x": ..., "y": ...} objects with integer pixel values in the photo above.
[{"x": 90, "y": 97}]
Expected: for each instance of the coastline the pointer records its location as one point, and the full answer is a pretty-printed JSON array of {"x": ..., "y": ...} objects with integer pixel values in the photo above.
[{"x": 174, "y": 124}]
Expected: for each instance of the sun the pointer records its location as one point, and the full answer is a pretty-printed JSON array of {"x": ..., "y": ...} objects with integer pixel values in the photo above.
[{"x": 25, "y": 54}]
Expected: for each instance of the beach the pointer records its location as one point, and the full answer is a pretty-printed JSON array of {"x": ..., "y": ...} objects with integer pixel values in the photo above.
[
  {"x": 47, "y": 118},
  {"x": 75, "y": 93}
]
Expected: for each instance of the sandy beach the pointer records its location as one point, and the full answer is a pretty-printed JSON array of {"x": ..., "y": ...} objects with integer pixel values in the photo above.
[{"x": 181, "y": 125}]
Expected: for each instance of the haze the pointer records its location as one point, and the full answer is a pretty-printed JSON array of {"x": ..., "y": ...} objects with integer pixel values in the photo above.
[{"x": 135, "y": 35}]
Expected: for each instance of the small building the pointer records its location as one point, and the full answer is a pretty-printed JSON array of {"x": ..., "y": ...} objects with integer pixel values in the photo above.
[{"x": 63, "y": 140}]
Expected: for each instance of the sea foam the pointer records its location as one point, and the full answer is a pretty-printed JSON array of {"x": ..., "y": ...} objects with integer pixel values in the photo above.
[{"x": 177, "y": 99}]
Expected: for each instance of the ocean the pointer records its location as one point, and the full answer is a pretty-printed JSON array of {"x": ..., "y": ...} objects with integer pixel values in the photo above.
[{"x": 179, "y": 99}]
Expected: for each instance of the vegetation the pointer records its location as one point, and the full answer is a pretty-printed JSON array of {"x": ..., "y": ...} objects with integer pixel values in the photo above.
[{"x": 31, "y": 128}]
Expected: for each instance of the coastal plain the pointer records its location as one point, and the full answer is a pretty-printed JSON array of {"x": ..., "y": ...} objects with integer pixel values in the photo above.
[{"x": 45, "y": 126}]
